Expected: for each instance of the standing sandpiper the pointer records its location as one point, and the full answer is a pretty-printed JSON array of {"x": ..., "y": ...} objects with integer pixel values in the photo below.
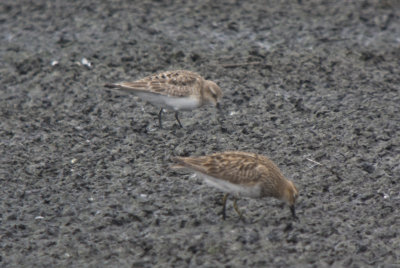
[
  {"x": 173, "y": 90},
  {"x": 242, "y": 174}
]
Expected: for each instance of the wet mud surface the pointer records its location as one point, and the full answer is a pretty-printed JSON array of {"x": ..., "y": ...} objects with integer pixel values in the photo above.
[{"x": 85, "y": 172}]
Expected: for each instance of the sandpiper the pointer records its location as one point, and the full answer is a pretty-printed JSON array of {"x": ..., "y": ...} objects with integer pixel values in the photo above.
[
  {"x": 173, "y": 90},
  {"x": 242, "y": 175}
]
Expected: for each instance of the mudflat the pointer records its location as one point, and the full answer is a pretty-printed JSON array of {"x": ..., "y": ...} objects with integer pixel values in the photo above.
[{"x": 85, "y": 177}]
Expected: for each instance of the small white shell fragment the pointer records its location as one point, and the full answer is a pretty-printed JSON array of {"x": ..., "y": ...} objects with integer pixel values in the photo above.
[{"x": 85, "y": 62}]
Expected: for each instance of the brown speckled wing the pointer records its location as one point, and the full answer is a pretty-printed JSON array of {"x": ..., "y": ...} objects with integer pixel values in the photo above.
[
  {"x": 235, "y": 167},
  {"x": 173, "y": 83}
]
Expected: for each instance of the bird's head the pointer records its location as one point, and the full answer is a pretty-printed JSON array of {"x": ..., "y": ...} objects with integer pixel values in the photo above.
[
  {"x": 290, "y": 195},
  {"x": 212, "y": 93}
]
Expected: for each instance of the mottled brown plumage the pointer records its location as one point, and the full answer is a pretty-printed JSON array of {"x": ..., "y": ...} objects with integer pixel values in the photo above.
[
  {"x": 242, "y": 174},
  {"x": 174, "y": 90}
]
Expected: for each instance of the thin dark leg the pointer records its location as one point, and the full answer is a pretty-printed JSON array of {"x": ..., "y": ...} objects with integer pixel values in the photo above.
[
  {"x": 176, "y": 116},
  {"x": 224, "y": 205},
  {"x": 292, "y": 209},
  {"x": 237, "y": 209},
  {"x": 220, "y": 117},
  {"x": 159, "y": 118}
]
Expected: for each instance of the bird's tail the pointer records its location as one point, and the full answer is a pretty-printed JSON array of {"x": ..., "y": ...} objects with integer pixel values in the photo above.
[
  {"x": 179, "y": 163},
  {"x": 111, "y": 86}
]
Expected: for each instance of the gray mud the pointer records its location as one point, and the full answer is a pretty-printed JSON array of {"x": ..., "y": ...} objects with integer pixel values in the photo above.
[{"x": 84, "y": 171}]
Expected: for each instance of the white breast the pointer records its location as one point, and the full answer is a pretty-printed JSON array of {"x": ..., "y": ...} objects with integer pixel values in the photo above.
[
  {"x": 186, "y": 103},
  {"x": 231, "y": 188},
  {"x": 172, "y": 103}
]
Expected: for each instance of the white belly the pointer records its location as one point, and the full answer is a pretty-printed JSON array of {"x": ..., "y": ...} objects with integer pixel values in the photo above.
[
  {"x": 171, "y": 103},
  {"x": 231, "y": 188}
]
